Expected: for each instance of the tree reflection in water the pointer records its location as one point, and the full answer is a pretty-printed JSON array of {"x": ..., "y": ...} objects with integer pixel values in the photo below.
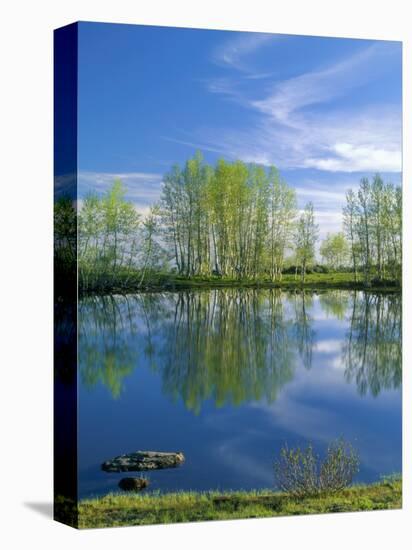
[
  {"x": 372, "y": 351},
  {"x": 232, "y": 345}
]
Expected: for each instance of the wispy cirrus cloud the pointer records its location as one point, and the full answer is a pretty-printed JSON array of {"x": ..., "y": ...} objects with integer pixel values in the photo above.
[
  {"x": 236, "y": 52},
  {"x": 324, "y": 121},
  {"x": 322, "y": 86},
  {"x": 308, "y": 121}
]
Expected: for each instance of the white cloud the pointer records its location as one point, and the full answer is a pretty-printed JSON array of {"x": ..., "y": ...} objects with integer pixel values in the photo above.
[
  {"x": 329, "y": 346},
  {"x": 347, "y": 141},
  {"x": 351, "y": 158}
]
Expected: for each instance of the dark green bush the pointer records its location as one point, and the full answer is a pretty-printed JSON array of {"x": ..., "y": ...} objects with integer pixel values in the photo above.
[
  {"x": 301, "y": 472},
  {"x": 290, "y": 270},
  {"x": 321, "y": 269}
]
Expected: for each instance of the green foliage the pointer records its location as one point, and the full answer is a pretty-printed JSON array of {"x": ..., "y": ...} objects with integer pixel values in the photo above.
[
  {"x": 373, "y": 227},
  {"x": 107, "y": 237},
  {"x": 305, "y": 239},
  {"x": 65, "y": 237},
  {"x": 300, "y": 472},
  {"x": 233, "y": 221},
  {"x": 335, "y": 250},
  {"x": 115, "y": 246}
]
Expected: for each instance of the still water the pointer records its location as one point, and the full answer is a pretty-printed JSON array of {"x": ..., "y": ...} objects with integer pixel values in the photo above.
[{"x": 229, "y": 376}]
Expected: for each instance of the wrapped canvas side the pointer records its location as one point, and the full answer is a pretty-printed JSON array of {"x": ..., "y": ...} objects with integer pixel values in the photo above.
[{"x": 65, "y": 275}]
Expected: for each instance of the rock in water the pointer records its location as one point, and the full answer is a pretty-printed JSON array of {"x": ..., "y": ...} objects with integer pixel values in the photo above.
[
  {"x": 133, "y": 483},
  {"x": 143, "y": 460}
]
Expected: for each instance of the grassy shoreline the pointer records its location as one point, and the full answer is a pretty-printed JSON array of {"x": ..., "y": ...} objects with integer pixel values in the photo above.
[
  {"x": 169, "y": 282},
  {"x": 140, "y": 509}
]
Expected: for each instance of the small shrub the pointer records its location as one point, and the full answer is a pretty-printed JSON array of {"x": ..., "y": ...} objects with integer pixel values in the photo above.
[
  {"x": 321, "y": 269},
  {"x": 390, "y": 479},
  {"x": 300, "y": 472},
  {"x": 290, "y": 270}
]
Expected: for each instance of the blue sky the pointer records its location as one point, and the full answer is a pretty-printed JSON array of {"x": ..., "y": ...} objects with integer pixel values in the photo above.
[{"x": 325, "y": 111}]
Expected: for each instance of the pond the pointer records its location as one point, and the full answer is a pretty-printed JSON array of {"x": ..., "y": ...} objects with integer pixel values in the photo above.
[{"x": 229, "y": 376}]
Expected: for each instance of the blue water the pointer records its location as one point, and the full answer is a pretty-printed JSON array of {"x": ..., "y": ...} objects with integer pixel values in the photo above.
[{"x": 228, "y": 377}]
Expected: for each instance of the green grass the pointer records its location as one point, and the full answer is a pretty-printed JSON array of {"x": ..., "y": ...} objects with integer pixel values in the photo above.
[
  {"x": 117, "y": 510},
  {"x": 314, "y": 281}
]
